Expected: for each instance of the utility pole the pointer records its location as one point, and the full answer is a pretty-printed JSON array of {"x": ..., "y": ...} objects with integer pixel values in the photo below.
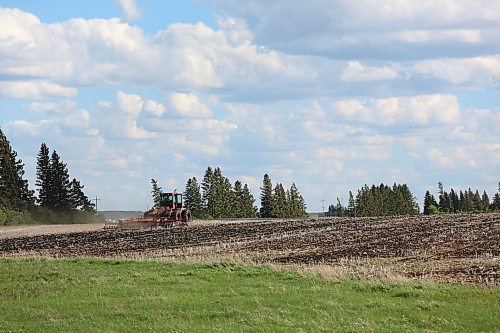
[
  {"x": 96, "y": 200},
  {"x": 323, "y": 202}
]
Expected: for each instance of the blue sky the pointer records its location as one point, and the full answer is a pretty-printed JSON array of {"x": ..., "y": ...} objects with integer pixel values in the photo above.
[{"x": 329, "y": 94}]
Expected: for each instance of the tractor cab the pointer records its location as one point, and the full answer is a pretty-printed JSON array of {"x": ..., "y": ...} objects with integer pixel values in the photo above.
[{"x": 171, "y": 200}]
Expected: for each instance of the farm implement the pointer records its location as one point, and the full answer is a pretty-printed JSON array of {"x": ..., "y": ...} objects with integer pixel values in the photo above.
[{"x": 170, "y": 212}]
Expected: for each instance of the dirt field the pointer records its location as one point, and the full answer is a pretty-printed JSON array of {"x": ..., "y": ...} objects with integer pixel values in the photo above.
[{"x": 457, "y": 248}]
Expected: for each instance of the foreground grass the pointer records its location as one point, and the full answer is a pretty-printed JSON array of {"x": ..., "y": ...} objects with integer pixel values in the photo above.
[{"x": 127, "y": 296}]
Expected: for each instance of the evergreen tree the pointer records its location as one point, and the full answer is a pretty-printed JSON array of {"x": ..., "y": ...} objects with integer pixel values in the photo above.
[
  {"x": 59, "y": 184},
  {"x": 248, "y": 201},
  {"x": 443, "y": 199},
  {"x": 14, "y": 190},
  {"x": 280, "y": 204},
  {"x": 266, "y": 198},
  {"x": 485, "y": 201},
  {"x": 495, "y": 204},
  {"x": 296, "y": 203},
  {"x": 238, "y": 210},
  {"x": 226, "y": 198},
  {"x": 218, "y": 195},
  {"x": 461, "y": 201},
  {"x": 454, "y": 201},
  {"x": 428, "y": 201},
  {"x": 207, "y": 192},
  {"x": 383, "y": 200},
  {"x": 156, "y": 193},
  {"x": 351, "y": 208},
  {"x": 477, "y": 203},
  {"x": 78, "y": 199},
  {"x": 43, "y": 177},
  {"x": 192, "y": 197},
  {"x": 339, "y": 208}
]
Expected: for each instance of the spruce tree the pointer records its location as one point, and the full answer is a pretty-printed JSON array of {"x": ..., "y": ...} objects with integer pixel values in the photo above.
[
  {"x": 454, "y": 201},
  {"x": 339, "y": 208},
  {"x": 428, "y": 201},
  {"x": 207, "y": 192},
  {"x": 248, "y": 203},
  {"x": 485, "y": 201},
  {"x": 226, "y": 198},
  {"x": 280, "y": 204},
  {"x": 59, "y": 183},
  {"x": 156, "y": 193},
  {"x": 266, "y": 198},
  {"x": 78, "y": 199},
  {"x": 495, "y": 204},
  {"x": 192, "y": 197},
  {"x": 14, "y": 191},
  {"x": 43, "y": 177},
  {"x": 296, "y": 203},
  {"x": 237, "y": 200},
  {"x": 443, "y": 199},
  {"x": 351, "y": 208}
]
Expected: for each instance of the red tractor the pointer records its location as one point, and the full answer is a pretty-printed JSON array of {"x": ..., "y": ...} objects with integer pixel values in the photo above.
[{"x": 171, "y": 211}]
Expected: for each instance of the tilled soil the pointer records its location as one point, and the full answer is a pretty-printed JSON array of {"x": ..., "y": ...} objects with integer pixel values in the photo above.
[{"x": 455, "y": 248}]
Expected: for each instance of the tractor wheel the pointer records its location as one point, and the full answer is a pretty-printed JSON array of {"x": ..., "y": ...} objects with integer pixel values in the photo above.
[
  {"x": 178, "y": 216},
  {"x": 186, "y": 217}
]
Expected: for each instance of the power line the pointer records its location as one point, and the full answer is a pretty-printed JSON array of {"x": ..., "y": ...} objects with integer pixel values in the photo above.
[{"x": 96, "y": 200}]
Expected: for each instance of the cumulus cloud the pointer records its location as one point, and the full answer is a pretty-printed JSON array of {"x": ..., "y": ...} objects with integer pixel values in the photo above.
[
  {"x": 154, "y": 108},
  {"x": 478, "y": 72},
  {"x": 108, "y": 51},
  {"x": 418, "y": 110},
  {"x": 23, "y": 127},
  {"x": 130, "y": 9},
  {"x": 355, "y": 71},
  {"x": 34, "y": 90},
  {"x": 119, "y": 120},
  {"x": 376, "y": 29},
  {"x": 188, "y": 105}
]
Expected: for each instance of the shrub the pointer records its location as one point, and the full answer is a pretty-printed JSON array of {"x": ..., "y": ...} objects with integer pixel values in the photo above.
[
  {"x": 11, "y": 217},
  {"x": 46, "y": 216},
  {"x": 433, "y": 210}
]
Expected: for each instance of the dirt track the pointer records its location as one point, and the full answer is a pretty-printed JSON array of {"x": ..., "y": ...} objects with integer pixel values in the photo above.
[{"x": 460, "y": 248}]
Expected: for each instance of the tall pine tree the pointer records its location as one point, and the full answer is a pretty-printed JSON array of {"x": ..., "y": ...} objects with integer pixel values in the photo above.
[
  {"x": 14, "y": 191},
  {"x": 192, "y": 197},
  {"x": 156, "y": 193},
  {"x": 266, "y": 197}
]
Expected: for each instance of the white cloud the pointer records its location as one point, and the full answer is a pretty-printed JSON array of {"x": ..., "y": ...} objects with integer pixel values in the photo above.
[
  {"x": 188, "y": 105},
  {"x": 154, "y": 108},
  {"x": 130, "y": 9},
  {"x": 355, "y": 71},
  {"x": 23, "y": 127},
  {"x": 479, "y": 72},
  {"x": 129, "y": 103},
  {"x": 377, "y": 29},
  {"x": 34, "y": 90},
  {"x": 120, "y": 120},
  {"x": 62, "y": 106},
  {"x": 409, "y": 111}
]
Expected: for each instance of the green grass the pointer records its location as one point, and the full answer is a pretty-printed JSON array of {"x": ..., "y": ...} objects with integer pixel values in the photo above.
[{"x": 125, "y": 296}]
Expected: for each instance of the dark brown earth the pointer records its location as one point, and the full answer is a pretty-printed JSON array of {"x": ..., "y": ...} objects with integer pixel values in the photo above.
[{"x": 452, "y": 248}]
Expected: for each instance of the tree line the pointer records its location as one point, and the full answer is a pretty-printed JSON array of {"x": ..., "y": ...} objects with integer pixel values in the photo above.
[
  {"x": 217, "y": 197},
  {"x": 467, "y": 201},
  {"x": 381, "y": 200},
  {"x": 59, "y": 200}
]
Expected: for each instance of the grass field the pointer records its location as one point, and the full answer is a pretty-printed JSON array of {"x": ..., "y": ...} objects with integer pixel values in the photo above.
[{"x": 92, "y": 295}]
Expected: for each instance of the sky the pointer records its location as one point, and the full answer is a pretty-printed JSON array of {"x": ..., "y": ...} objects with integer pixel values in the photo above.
[{"x": 328, "y": 94}]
